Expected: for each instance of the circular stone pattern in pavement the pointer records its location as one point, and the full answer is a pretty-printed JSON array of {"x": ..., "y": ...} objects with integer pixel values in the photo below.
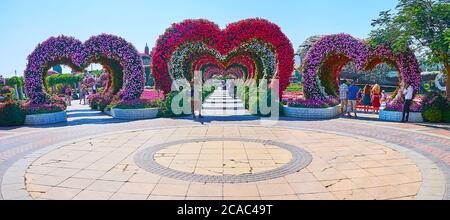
[
  {"x": 223, "y": 160},
  {"x": 343, "y": 167}
]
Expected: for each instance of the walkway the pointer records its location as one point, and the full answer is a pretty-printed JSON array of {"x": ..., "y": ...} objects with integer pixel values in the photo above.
[
  {"x": 220, "y": 103},
  {"x": 82, "y": 114}
]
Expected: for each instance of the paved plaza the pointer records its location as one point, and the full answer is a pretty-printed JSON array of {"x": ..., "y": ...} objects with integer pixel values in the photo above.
[{"x": 93, "y": 156}]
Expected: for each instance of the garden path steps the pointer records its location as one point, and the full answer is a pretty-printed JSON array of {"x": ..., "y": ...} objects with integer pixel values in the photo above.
[
  {"x": 220, "y": 103},
  {"x": 77, "y": 113}
]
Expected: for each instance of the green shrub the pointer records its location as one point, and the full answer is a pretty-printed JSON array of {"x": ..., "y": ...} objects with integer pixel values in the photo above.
[
  {"x": 207, "y": 91},
  {"x": 165, "y": 106},
  {"x": 432, "y": 115},
  {"x": 256, "y": 103},
  {"x": 8, "y": 93},
  {"x": 11, "y": 114},
  {"x": 436, "y": 108},
  {"x": 294, "y": 88},
  {"x": 64, "y": 79},
  {"x": 100, "y": 101},
  {"x": 446, "y": 116}
]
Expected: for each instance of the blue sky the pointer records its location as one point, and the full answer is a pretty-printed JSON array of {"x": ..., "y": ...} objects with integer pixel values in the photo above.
[{"x": 25, "y": 23}]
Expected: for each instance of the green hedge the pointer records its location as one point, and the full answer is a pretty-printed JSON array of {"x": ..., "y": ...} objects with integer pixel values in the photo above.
[
  {"x": 11, "y": 114},
  {"x": 165, "y": 106},
  {"x": 244, "y": 92},
  {"x": 15, "y": 81},
  {"x": 294, "y": 88},
  {"x": 65, "y": 79},
  {"x": 436, "y": 108}
]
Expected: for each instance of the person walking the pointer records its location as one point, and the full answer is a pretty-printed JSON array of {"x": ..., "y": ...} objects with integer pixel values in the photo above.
[
  {"x": 68, "y": 93},
  {"x": 232, "y": 87},
  {"x": 196, "y": 95},
  {"x": 383, "y": 96},
  {"x": 367, "y": 98},
  {"x": 409, "y": 95},
  {"x": 343, "y": 96},
  {"x": 376, "y": 98},
  {"x": 224, "y": 85},
  {"x": 353, "y": 91},
  {"x": 83, "y": 94}
]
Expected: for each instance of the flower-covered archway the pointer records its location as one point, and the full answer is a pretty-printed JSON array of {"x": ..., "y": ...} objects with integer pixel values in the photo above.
[
  {"x": 326, "y": 58},
  {"x": 118, "y": 57},
  {"x": 256, "y": 44}
]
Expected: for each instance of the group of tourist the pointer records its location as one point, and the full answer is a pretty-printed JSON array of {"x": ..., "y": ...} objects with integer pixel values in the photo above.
[
  {"x": 372, "y": 96},
  {"x": 351, "y": 96},
  {"x": 84, "y": 93}
]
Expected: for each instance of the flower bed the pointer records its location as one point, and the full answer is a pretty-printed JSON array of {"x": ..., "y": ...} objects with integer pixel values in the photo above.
[
  {"x": 398, "y": 107},
  {"x": 134, "y": 114},
  {"x": 146, "y": 107},
  {"x": 394, "y": 111},
  {"x": 35, "y": 109},
  {"x": 324, "y": 108},
  {"x": 313, "y": 103}
]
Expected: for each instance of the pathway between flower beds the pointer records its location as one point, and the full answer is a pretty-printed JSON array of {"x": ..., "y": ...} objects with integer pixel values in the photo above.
[
  {"x": 220, "y": 103},
  {"x": 82, "y": 114}
]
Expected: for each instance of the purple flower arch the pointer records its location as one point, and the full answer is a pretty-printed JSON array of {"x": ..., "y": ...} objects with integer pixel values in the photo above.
[
  {"x": 340, "y": 44},
  {"x": 119, "y": 57},
  {"x": 405, "y": 62},
  {"x": 337, "y": 50}
]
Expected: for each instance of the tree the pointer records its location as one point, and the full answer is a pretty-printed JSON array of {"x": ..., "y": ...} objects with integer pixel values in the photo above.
[{"x": 420, "y": 25}]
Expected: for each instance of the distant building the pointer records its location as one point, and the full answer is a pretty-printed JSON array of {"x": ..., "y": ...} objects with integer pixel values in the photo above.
[{"x": 147, "y": 60}]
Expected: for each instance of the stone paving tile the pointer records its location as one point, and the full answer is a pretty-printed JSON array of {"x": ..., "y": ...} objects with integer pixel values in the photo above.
[
  {"x": 205, "y": 190},
  {"x": 58, "y": 193},
  {"x": 308, "y": 188},
  {"x": 105, "y": 186},
  {"x": 170, "y": 190},
  {"x": 75, "y": 183},
  {"x": 137, "y": 188},
  {"x": 93, "y": 195},
  {"x": 128, "y": 196},
  {"x": 155, "y": 197},
  {"x": 241, "y": 190},
  {"x": 357, "y": 194},
  {"x": 275, "y": 189},
  {"x": 317, "y": 196}
]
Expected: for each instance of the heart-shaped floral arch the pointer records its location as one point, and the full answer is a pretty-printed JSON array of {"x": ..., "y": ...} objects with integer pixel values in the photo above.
[
  {"x": 245, "y": 63},
  {"x": 326, "y": 58},
  {"x": 178, "y": 49},
  {"x": 119, "y": 57}
]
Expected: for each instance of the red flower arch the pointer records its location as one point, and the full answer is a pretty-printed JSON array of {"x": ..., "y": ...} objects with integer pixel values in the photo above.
[{"x": 224, "y": 41}]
